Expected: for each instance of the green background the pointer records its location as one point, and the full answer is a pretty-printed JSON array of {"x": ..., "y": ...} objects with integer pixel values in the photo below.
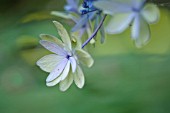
[{"x": 124, "y": 79}]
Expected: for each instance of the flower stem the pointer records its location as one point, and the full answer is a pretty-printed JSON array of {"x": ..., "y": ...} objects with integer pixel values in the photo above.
[{"x": 95, "y": 32}]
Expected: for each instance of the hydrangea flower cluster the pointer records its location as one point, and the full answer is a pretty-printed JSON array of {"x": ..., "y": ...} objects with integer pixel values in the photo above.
[{"x": 64, "y": 64}]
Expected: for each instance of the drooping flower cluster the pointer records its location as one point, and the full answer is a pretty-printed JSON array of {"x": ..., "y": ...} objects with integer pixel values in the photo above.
[
  {"x": 137, "y": 13},
  {"x": 64, "y": 64}
]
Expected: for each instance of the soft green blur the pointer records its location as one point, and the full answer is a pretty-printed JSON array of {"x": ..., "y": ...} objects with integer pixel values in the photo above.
[{"x": 124, "y": 79}]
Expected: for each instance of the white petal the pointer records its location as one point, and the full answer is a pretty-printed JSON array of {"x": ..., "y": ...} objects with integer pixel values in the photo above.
[
  {"x": 112, "y": 7},
  {"x": 151, "y": 13},
  {"x": 49, "y": 62},
  {"x": 63, "y": 33},
  {"x": 140, "y": 31},
  {"x": 136, "y": 27},
  {"x": 65, "y": 71},
  {"x": 65, "y": 84},
  {"x": 53, "y": 47},
  {"x": 73, "y": 64},
  {"x": 54, "y": 82},
  {"x": 119, "y": 23},
  {"x": 57, "y": 71},
  {"x": 79, "y": 77}
]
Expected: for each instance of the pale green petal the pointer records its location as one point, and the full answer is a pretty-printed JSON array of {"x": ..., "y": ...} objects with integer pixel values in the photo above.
[
  {"x": 63, "y": 33},
  {"x": 76, "y": 39},
  {"x": 140, "y": 31},
  {"x": 84, "y": 57},
  {"x": 151, "y": 13},
  {"x": 49, "y": 62},
  {"x": 65, "y": 71},
  {"x": 119, "y": 23},
  {"x": 79, "y": 77},
  {"x": 66, "y": 83},
  {"x": 51, "y": 39},
  {"x": 54, "y": 82},
  {"x": 102, "y": 34},
  {"x": 89, "y": 33},
  {"x": 62, "y": 14}
]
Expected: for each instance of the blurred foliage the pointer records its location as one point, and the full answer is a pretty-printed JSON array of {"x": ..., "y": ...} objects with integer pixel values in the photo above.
[{"x": 124, "y": 79}]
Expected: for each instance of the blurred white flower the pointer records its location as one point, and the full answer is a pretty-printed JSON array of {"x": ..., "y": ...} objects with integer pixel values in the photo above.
[
  {"x": 137, "y": 13},
  {"x": 63, "y": 65}
]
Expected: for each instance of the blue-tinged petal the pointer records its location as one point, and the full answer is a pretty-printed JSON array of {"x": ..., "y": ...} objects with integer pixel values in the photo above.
[
  {"x": 51, "y": 38},
  {"x": 81, "y": 32},
  {"x": 65, "y": 71},
  {"x": 57, "y": 71},
  {"x": 79, "y": 77},
  {"x": 112, "y": 7},
  {"x": 138, "y": 4},
  {"x": 63, "y": 33},
  {"x": 81, "y": 23},
  {"x": 119, "y": 22},
  {"x": 53, "y": 47},
  {"x": 140, "y": 31},
  {"x": 151, "y": 13},
  {"x": 66, "y": 83},
  {"x": 49, "y": 62},
  {"x": 73, "y": 64},
  {"x": 72, "y": 5}
]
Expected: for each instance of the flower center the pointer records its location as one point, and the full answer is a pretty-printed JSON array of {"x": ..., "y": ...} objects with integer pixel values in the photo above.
[
  {"x": 88, "y": 7},
  {"x": 68, "y": 56}
]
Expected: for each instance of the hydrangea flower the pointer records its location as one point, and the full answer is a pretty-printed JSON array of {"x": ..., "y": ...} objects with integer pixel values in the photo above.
[
  {"x": 64, "y": 64},
  {"x": 137, "y": 13}
]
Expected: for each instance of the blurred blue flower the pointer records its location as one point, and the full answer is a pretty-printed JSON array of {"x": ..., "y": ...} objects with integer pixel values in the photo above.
[{"x": 137, "y": 13}]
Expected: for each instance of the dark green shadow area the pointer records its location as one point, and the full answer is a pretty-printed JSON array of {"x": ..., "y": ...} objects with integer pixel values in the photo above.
[{"x": 124, "y": 79}]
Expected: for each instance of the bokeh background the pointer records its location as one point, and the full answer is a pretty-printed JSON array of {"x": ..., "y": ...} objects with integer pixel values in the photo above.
[{"x": 124, "y": 79}]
